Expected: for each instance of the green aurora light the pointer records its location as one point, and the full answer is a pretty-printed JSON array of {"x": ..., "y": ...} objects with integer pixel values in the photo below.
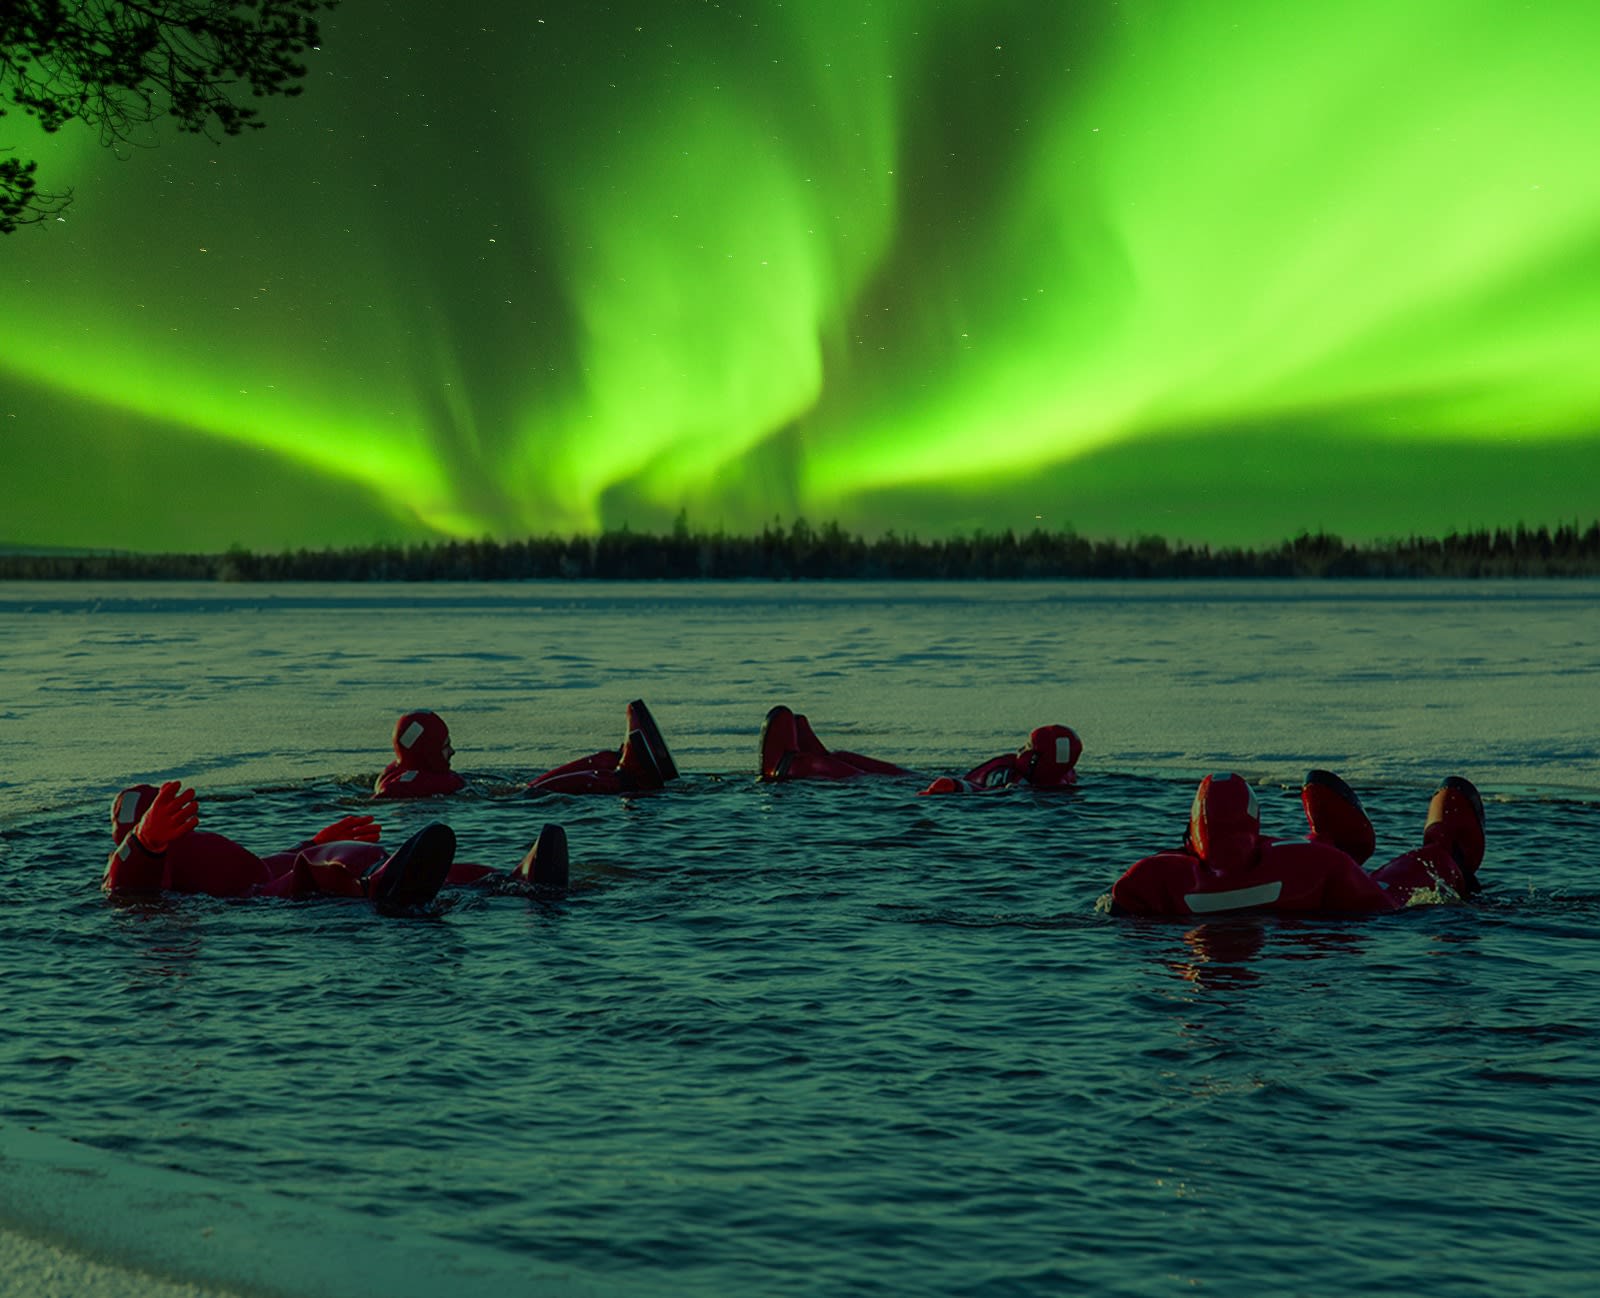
[{"x": 1217, "y": 269}]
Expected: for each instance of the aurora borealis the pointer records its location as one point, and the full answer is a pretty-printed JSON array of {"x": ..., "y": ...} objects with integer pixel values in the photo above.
[{"x": 1221, "y": 270}]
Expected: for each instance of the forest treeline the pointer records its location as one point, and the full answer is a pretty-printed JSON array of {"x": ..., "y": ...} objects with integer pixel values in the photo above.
[{"x": 800, "y": 552}]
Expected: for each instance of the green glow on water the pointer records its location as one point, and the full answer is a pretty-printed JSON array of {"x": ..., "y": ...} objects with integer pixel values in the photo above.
[{"x": 911, "y": 269}]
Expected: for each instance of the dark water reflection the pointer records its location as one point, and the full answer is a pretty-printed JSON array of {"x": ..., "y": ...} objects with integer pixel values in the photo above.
[{"x": 829, "y": 1040}]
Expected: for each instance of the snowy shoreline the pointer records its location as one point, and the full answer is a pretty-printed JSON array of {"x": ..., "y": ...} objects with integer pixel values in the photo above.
[{"x": 79, "y": 1221}]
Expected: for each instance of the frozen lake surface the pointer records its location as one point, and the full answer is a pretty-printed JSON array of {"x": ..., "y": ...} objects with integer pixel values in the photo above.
[{"x": 806, "y": 1039}]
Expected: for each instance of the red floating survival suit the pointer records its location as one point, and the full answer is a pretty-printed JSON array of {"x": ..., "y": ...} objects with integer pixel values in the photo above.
[
  {"x": 421, "y": 766},
  {"x": 213, "y": 864},
  {"x": 641, "y": 764},
  {"x": 1226, "y": 865},
  {"x": 1046, "y": 761},
  {"x": 790, "y": 750}
]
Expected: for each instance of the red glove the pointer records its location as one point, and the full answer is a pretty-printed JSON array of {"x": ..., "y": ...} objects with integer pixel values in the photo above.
[
  {"x": 173, "y": 814},
  {"x": 350, "y": 829}
]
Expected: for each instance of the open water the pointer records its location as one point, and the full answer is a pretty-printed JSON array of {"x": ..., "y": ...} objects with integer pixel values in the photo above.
[{"x": 818, "y": 1039}]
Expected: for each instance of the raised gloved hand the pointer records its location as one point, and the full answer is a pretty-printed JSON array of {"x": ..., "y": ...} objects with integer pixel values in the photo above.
[
  {"x": 175, "y": 811},
  {"x": 350, "y": 829}
]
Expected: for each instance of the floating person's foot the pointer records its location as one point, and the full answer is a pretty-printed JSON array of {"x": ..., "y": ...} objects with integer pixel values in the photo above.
[
  {"x": 413, "y": 875},
  {"x": 1456, "y": 821},
  {"x": 805, "y": 737},
  {"x": 780, "y": 742},
  {"x": 639, "y": 719},
  {"x": 546, "y": 866},
  {"x": 1336, "y": 815},
  {"x": 636, "y": 764}
]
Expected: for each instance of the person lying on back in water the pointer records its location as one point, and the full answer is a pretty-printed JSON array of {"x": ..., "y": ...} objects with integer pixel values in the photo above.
[
  {"x": 159, "y": 848},
  {"x": 1047, "y": 760},
  {"x": 641, "y": 764},
  {"x": 1226, "y": 864},
  {"x": 790, "y": 750}
]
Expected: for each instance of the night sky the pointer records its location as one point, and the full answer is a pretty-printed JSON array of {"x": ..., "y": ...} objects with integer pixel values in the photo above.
[{"x": 1222, "y": 270}]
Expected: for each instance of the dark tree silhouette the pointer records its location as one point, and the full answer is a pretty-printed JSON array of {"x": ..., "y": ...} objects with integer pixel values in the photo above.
[
  {"x": 801, "y": 552},
  {"x": 118, "y": 65}
]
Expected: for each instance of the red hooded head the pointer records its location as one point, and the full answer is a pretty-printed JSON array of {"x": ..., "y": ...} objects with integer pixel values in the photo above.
[
  {"x": 422, "y": 742},
  {"x": 1224, "y": 823},
  {"x": 128, "y": 807},
  {"x": 1050, "y": 754}
]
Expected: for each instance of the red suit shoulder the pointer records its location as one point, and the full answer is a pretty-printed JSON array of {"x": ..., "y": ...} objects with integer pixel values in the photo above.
[{"x": 399, "y": 781}]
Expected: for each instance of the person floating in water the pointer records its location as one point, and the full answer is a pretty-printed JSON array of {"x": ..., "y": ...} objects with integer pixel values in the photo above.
[
  {"x": 790, "y": 750},
  {"x": 421, "y": 766},
  {"x": 159, "y": 848},
  {"x": 1226, "y": 864},
  {"x": 641, "y": 764},
  {"x": 1046, "y": 761}
]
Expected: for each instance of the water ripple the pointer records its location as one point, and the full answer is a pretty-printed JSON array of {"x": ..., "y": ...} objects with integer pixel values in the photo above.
[{"x": 780, "y": 1040}]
